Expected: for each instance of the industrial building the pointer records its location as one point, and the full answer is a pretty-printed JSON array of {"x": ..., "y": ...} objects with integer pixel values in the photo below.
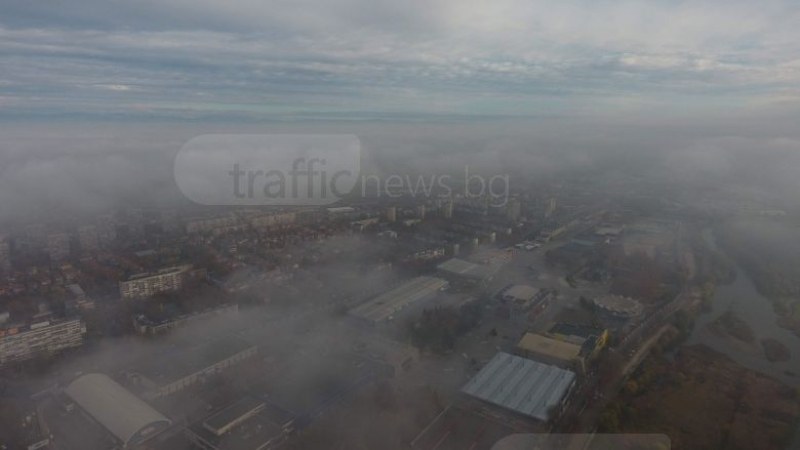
[
  {"x": 525, "y": 387},
  {"x": 458, "y": 428},
  {"x": 156, "y": 325},
  {"x": 43, "y": 337},
  {"x": 384, "y": 306},
  {"x": 173, "y": 372},
  {"x": 247, "y": 424},
  {"x": 523, "y": 302},
  {"x": 461, "y": 269},
  {"x": 618, "y": 307},
  {"x": 130, "y": 420},
  {"x": 145, "y": 285},
  {"x": 550, "y": 351},
  {"x": 591, "y": 339},
  {"x": 520, "y": 294},
  {"x": 307, "y": 388}
]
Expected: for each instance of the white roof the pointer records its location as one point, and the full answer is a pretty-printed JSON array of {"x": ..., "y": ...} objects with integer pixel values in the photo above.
[
  {"x": 119, "y": 411},
  {"x": 459, "y": 266},
  {"x": 521, "y": 292}
]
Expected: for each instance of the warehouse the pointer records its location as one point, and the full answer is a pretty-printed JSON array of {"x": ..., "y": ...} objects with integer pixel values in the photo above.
[
  {"x": 384, "y": 306},
  {"x": 457, "y": 268},
  {"x": 526, "y": 387},
  {"x": 550, "y": 351},
  {"x": 462, "y": 428},
  {"x": 519, "y": 294},
  {"x": 618, "y": 307},
  {"x": 125, "y": 416},
  {"x": 177, "y": 370},
  {"x": 307, "y": 388},
  {"x": 247, "y": 424}
]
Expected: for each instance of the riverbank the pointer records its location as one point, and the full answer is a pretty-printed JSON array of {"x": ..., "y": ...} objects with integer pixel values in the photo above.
[
  {"x": 756, "y": 312},
  {"x": 702, "y": 399}
]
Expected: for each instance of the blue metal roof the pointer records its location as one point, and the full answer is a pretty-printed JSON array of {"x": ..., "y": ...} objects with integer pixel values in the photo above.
[{"x": 524, "y": 386}]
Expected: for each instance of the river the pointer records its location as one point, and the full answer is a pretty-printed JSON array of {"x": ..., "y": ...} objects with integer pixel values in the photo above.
[{"x": 749, "y": 305}]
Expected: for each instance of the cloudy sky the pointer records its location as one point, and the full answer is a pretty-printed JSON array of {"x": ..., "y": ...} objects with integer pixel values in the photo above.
[{"x": 376, "y": 59}]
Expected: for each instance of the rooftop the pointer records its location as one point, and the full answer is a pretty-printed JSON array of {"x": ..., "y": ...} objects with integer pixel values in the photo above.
[
  {"x": 536, "y": 343},
  {"x": 580, "y": 331},
  {"x": 123, "y": 414},
  {"x": 618, "y": 304},
  {"x": 457, "y": 266},
  {"x": 457, "y": 428},
  {"x": 526, "y": 387},
  {"x": 221, "y": 422},
  {"x": 521, "y": 292},
  {"x": 383, "y": 306},
  {"x": 178, "y": 364}
]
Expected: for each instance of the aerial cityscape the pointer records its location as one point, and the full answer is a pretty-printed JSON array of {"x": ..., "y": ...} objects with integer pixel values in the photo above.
[{"x": 356, "y": 225}]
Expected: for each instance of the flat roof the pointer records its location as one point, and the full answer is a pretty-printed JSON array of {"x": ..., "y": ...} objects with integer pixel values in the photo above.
[
  {"x": 305, "y": 387},
  {"x": 181, "y": 363},
  {"x": 543, "y": 345},
  {"x": 521, "y": 292},
  {"x": 458, "y": 428},
  {"x": 619, "y": 304},
  {"x": 466, "y": 268},
  {"x": 221, "y": 421},
  {"x": 526, "y": 387},
  {"x": 257, "y": 431},
  {"x": 383, "y": 306},
  {"x": 581, "y": 331}
]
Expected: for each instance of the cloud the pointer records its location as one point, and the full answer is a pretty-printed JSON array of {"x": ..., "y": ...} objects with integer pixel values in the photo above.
[{"x": 351, "y": 57}]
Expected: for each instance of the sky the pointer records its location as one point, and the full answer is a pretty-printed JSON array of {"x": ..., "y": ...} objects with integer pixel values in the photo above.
[
  {"x": 96, "y": 96},
  {"x": 295, "y": 60}
]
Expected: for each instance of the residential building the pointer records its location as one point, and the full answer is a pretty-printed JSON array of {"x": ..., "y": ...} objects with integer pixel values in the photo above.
[
  {"x": 169, "y": 279},
  {"x": 44, "y": 337}
]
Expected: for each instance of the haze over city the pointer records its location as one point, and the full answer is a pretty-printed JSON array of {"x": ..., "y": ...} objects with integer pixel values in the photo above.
[{"x": 412, "y": 225}]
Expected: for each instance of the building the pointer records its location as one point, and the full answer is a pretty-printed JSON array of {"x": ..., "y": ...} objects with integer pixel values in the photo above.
[
  {"x": 550, "y": 207},
  {"x": 42, "y": 337},
  {"x": 447, "y": 209},
  {"x": 551, "y": 351},
  {"x": 384, "y": 306},
  {"x": 459, "y": 269},
  {"x": 169, "y": 279},
  {"x": 513, "y": 209},
  {"x": 591, "y": 339},
  {"x": 58, "y": 247},
  {"x": 391, "y": 214},
  {"x": 149, "y": 325},
  {"x": 458, "y": 428},
  {"x": 78, "y": 297},
  {"x": 529, "y": 388},
  {"x": 523, "y": 302},
  {"x": 130, "y": 420},
  {"x": 618, "y": 307},
  {"x": 582, "y": 441},
  {"x": 247, "y": 424},
  {"x": 5, "y": 254},
  {"x": 88, "y": 239},
  {"x": 267, "y": 221},
  {"x": 215, "y": 225},
  {"x": 310, "y": 386},
  {"x": 520, "y": 294},
  {"x": 173, "y": 372}
]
